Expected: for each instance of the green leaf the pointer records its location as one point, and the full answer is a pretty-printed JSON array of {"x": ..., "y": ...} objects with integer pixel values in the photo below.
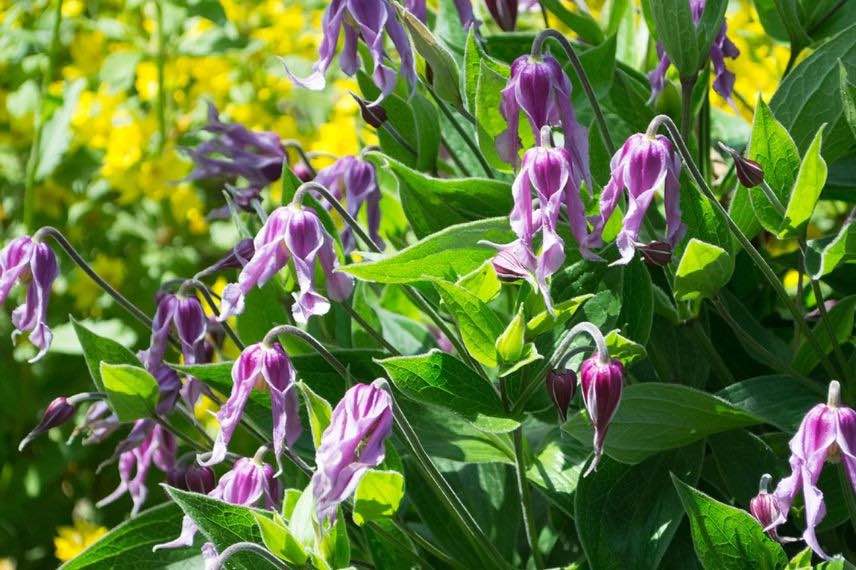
[
  {"x": 528, "y": 356},
  {"x": 704, "y": 269},
  {"x": 791, "y": 18},
  {"x": 482, "y": 282},
  {"x": 623, "y": 348},
  {"x": 841, "y": 321},
  {"x": 378, "y": 496},
  {"x": 824, "y": 255},
  {"x": 615, "y": 536},
  {"x": 771, "y": 20},
  {"x": 637, "y": 308},
  {"x": 779, "y": 400},
  {"x": 801, "y": 560},
  {"x": 130, "y": 544},
  {"x": 544, "y": 322},
  {"x": 580, "y": 22},
  {"x": 432, "y": 204},
  {"x": 278, "y": 539},
  {"x": 491, "y": 123},
  {"x": 727, "y": 538},
  {"x": 262, "y": 311},
  {"x": 478, "y": 324},
  {"x": 443, "y": 380},
  {"x": 328, "y": 550},
  {"x": 131, "y": 391},
  {"x": 848, "y": 97},
  {"x": 810, "y": 181},
  {"x": 56, "y": 135},
  {"x": 560, "y": 463},
  {"x": 740, "y": 457},
  {"x": 804, "y": 101},
  {"x": 654, "y": 417},
  {"x": 676, "y": 31},
  {"x": 98, "y": 349},
  {"x": 708, "y": 27},
  {"x": 319, "y": 411},
  {"x": 447, "y": 254}
]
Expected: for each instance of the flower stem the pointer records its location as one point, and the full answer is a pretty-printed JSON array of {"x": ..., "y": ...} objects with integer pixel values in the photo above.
[
  {"x": 161, "y": 74},
  {"x": 537, "y": 47},
  {"x": 468, "y": 140},
  {"x": 206, "y": 294},
  {"x": 256, "y": 549},
  {"x": 687, "y": 86},
  {"x": 301, "y": 153},
  {"x": 375, "y": 334}
]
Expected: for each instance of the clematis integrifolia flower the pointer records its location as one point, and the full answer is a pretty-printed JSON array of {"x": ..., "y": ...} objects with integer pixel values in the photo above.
[
  {"x": 365, "y": 20},
  {"x": 264, "y": 367},
  {"x": 721, "y": 48},
  {"x": 644, "y": 165},
  {"x": 196, "y": 478},
  {"x": 291, "y": 233},
  {"x": 352, "y": 444},
  {"x": 827, "y": 433},
  {"x": 765, "y": 508},
  {"x": 33, "y": 264}
]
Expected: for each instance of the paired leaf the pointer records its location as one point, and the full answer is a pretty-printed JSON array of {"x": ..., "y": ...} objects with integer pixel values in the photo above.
[
  {"x": 279, "y": 540},
  {"x": 676, "y": 31},
  {"x": 131, "y": 391}
]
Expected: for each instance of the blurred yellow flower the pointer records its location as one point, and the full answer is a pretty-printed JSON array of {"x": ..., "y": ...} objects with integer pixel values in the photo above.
[
  {"x": 85, "y": 292},
  {"x": 72, "y": 540}
]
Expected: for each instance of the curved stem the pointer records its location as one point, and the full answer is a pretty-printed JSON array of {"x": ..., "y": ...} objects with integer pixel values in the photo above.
[
  {"x": 206, "y": 294},
  {"x": 293, "y": 144},
  {"x": 256, "y": 549},
  {"x": 375, "y": 334},
  {"x": 589, "y": 329},
  {"x": 537, "y": 47}
]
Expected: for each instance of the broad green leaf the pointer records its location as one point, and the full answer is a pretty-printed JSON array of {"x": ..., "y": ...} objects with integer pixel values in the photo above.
[
  {"x": 406, "y": 335},
  {"x": 477, "y": 322},
  {"x": 490, "y": 121},
  {"x": 482, "y": 282},
  {"x": 447, "y": 254},
  {"x": 676, "y": 31},
  {"x": 130, "y": 544},
  {"x": 98, "y": 349},
  {"x": 708, "y": 27},
  {"x": 263, "y": 310},
  {"x": 789, "y": 16},
  {"x": 771, "y": 20},
  {"x": 473, "y": 58},
  {"x": 278, "y": 540},
  {"x": 378, "y": 495},
  {"x": 810, "y": 181},
  {"x": 704, "y": 269},
  {"x": 578, "y": 21},
  {"x": 741, "y": 211},
  {"x": 804, "y": 99},
  {"x": 824, "y": 255},
  {"x": 131, "y": 391},
  {"x": 319, "y": 411},
  {"x": 778, "y": 400},
  {"x": 65, "y": 339},
  {"x": 544, "y": 322},
  {"x": 801, "y": 560},
  {"x": 727, "y": 538},
  {"x": 390, "y": 547},
  {"x": 57, "y": 135},
  {"x": 441, "y": 379},
  {"x": 529, "y": 355},
  {"x": 654, "y": 417},
  {"x": 599, "y": 64},
  {"x": 747, "y": 325},
  {"x": 848, "y": 97},
  {"x": 623, "y": 348},
  {"x": 559, "y": 464},
  {"x": 432, "y": 204},
  {"x": 637, "y": 308},
  {"x": 626, "y": 516},
  {"x": 740, "y": 458},
  {"x": 704, "y": 223},
  {"x": 841, "y": 318},
  {"x": 675, "y": 353}
]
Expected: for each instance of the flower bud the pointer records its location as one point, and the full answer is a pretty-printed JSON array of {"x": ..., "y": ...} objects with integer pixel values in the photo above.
[
  {"x": 504, "y": 13},
  {"x": 601, "y": 381},
  {"x": 657, "y": 253},
  {"x": 199, "y": 479},
  {"x": 765, "y": 508},
  {"x": 561, "y": 385},
  {"x": 509, "y": 345},
  {"x": 303, "y": 172},
  {"x": 374, "y": 115},
  {"x": 57, "y": 413},
  {"x": 749, "y": 172}
]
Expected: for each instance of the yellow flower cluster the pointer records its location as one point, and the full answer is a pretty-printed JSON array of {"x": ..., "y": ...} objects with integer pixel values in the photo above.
[{"x": 72, "y": 540}]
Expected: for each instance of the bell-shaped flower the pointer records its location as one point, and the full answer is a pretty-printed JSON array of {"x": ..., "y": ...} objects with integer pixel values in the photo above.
[
  {"x": 601, "y": 383},
  {"x": 365, "y": 20},
  {"x": 265, "y": 368},
  {"x": 642, "y": 166},
  {"x": 291, "y": 233},
  {"x": 147, "y": 444},
  {"x": 721, "y": 48},
  {"x": 31, "y": 263},
  {"x": 540, "y": 88},
  {"x": 353, "y": 181},
  {"x": 352, "y": 444},
  {"x": 827, "y": 433},
  {"x": 250, "y": 482}
]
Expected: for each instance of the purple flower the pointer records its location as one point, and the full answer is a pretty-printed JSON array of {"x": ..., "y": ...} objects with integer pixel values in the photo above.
[
  {"x": 765, "y": 508},
  {"x": 351, "y": 444},
  {"x": 353, "y": 181},
  {"x": 504, "y": 13},
  {"x": 551, "y": 174},
  {"x": 196, "y": 478},
  {"x": 33, "y": 264},
  {"x": 366, "y": 20},
  {"x": 721, "y": 48},
  {"x": 643, "y": 165},
  {"x": 250, "y": 482},
  {"x": 561, "y": 385},
  {"x": 235, "y": 152},
  {"x": 541, "y": 89},
  {"x": 291, "y": 233},
  {"x": 99, "y": 423},
  {"x": 827, "y": 433},
  {"x": 266, "y": 368},
  {"x": 147, "y": 444},
  {"x": 59, "y": 411},
  {"x": 465, "y": 13},
  {"x": 237, "y": 258},
  {"x": 418, "y": 8},
  {"x": 601, "y": 382}
]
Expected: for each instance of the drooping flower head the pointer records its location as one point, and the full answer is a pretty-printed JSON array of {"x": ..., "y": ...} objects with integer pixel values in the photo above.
[
  {"x": 721, "y": 48},
  {"x": 765, "y": 508},
  {"x": 250, "y": 482},
  {"x": 365, "y": 20},
  {"x": 353, "y": 181},
  {"x": 352, "y": 444},
  {"x": 237, "y": 258},
  {"x": 234, "y": 152},
  {"x": 265, "y": 368},
  {"x": 291, "y": 233},
  {"x": 601, "y": 383},
  {"x": 827, "y": 433},
  {"x": 642, "y": 166},
  {"x": 540, "y": 88},
  {"x": 561, "y": 385},
  {"x": 31, "y": 263}
]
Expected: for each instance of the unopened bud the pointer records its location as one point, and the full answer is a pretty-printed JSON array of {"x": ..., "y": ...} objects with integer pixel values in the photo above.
[
  {"x": 504, "y": 13},
  {"x": 561, "y": 385},
  {"x": 657, "y": 253},
  {"x": 374, "y": 115},
  {"x": 303, "y": 172},
  {"x": 765, "y": 508},
  {"x": 601, "y": 381},
  {"x": 57, "y": 413},
  {"x": 509, "y": 345},
  {"x": 199, "y": 479},
  {"x": 749, "y": 173}
]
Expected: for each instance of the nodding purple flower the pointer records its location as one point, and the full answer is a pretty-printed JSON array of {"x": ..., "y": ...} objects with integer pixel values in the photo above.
[
  {"x": 541, "y": 89},
  {"x": 504, "y": 13},
  {"x": 59, "y": 411},
  {"x": 99, "y": 423},
  {"x": 265, "y": 368},
  {"x": 827, "y": 433},
  {"x": 291, "y": 233},
  {"x": 765, "y": 508},
  {"x": 196, "y": 478},
  {"x": 31, "y": 263},
  {"x": 601, "y": 383},
  {"x": 250, "y": 482},
  {"x": 721, "y": 48},
  {"x": 366, "y": 20},
  {"x": 147, "y": 444},
  {"x": 235, "y": 152},
  {"x": 561, "y": 385},
  {"x": 552, "y": 175},
  {"x": 642, "y": 166},
  {"x": 353, "y": 181},
  {"x": 352, "y": 444},
  {"x": 440, "y": 339}
]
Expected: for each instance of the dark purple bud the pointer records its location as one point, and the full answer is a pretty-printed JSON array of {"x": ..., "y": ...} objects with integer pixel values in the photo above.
[
  {"x": 749, "y": 173},
  {"x": 199, "y": 479},
  {"x": 303, "y": 172},
  {"x": 561, "y": 385},
  {"x": 657, "y": 253},
  {"x": 601, "y": 381},
  {"x": 237, "y": 258},
  {"x": 504, "y": 13},
  {"x": 374, "y": 116},
  {"x": 57, "y": 413}
]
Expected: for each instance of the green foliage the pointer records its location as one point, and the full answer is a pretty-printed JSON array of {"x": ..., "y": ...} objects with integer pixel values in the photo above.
[
  {"x": 132, "y": 391},
  {"x": 378, "y": 496}
]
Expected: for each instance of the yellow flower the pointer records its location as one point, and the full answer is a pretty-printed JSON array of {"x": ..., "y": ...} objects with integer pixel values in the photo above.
[
  {"x": 72, "y": 540},
  {"x": 86, "y": 293},
  {"x": 147, "y": 80},
  {"x": 72, "y": 8}
]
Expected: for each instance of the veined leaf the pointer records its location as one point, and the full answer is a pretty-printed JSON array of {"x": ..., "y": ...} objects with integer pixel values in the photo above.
[
  {"x": 477, "y": 322},
  {"x": 810, "y": 181},
  {"x": 319, "y": 411},
  {"x": 704, "y": 269},
  {"x": 779, "y": 400},
  {"x": 131, "y": 391},
  {"x": 378, "y": 496},
  {"x": 675, "y": 29},
  {"x": 278, "y": 539},
  {"x": 98, "y": 349},
  {"x": 841, "y": 318},
  {"x": 824, "y": 255}
]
